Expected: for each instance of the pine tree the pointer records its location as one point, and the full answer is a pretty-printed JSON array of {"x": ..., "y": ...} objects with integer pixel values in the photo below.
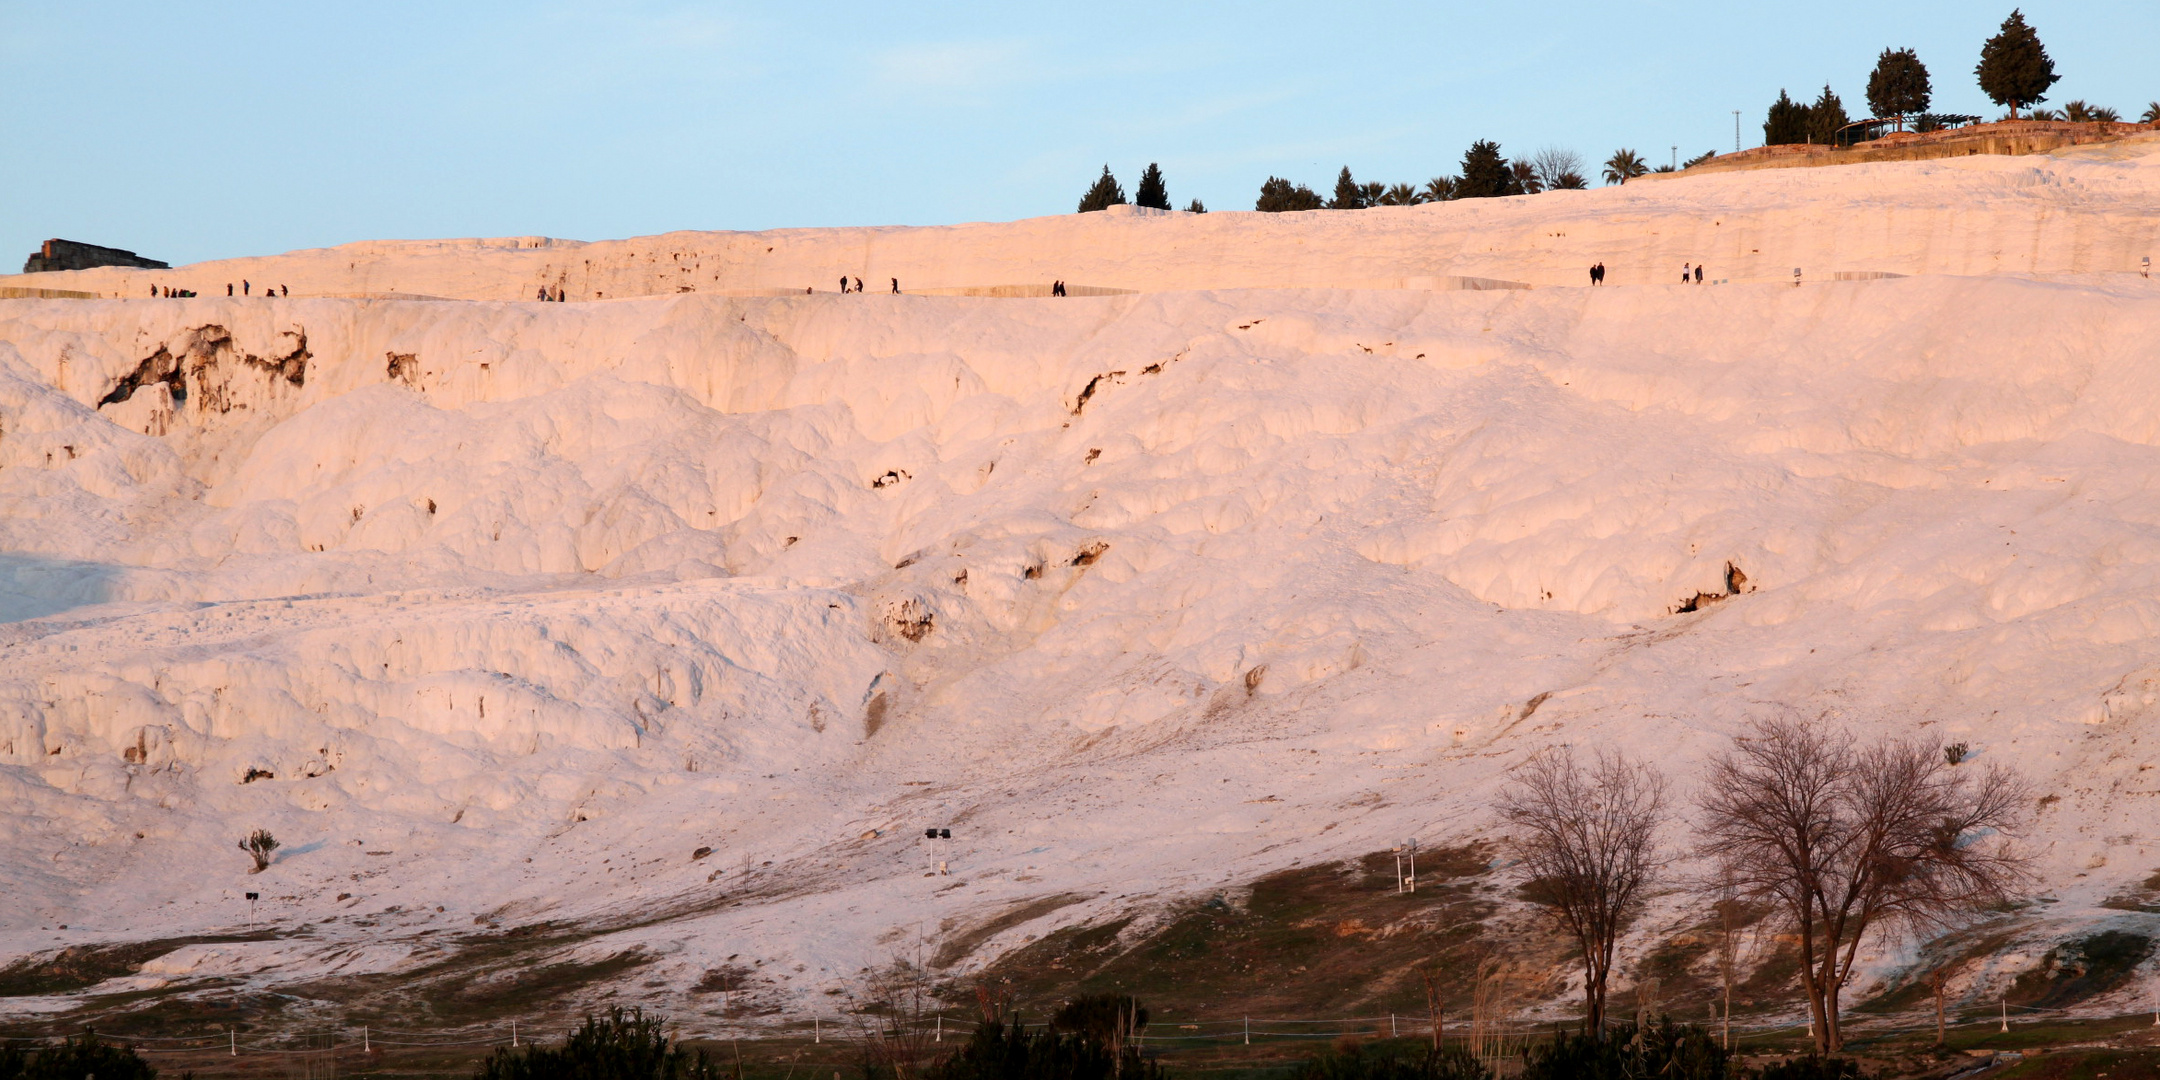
[
  {"x": 1197, "y": 207},
  {"x": 1280, "y": 196},
  {"x": 1485, "y": 174},
  {"x": 1151, "y": 192},
  {"x": 1787, "y": 123},
  {"x": 2014, "y": 67},
  {"x": 1348, "y": 195},
  {"x": 1106, "y": 193},
  {"x": 1899, "y": 86},
  {"x": 1827, "y": 119}
]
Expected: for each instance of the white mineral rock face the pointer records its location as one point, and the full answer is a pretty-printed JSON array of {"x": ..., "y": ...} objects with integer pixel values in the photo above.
[{"x": 504, "y": 607}]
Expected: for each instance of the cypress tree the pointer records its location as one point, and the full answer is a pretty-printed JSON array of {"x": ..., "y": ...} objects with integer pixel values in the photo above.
[
  {"x": 1348, "y": 195},
  {"x": 1485, "y": 174},
  {"x": 1106, "y": 193},
  {"x": 1787, "y": 123},
  {"x": 1151, "y": 192},
  {"x": 2014, "y": 67},
  {"x": 1827, "y": 117},
  {"x": 1899, "y": 86},
  {"x": 1197, "y": 207},
  {"x": 1279, "y": 196}
]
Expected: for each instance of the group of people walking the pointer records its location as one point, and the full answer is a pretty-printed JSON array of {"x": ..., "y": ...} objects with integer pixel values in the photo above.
[
  {"x": 168, "y": 292},
  {"x": 1690, "y": 273},
  {"x": 1057, "y": 288},
  {"x": 553, "y": 294},
  {"x": 857, "y": 286}
]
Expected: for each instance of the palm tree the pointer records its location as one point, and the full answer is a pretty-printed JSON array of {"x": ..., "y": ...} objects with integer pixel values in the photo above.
[
  {"x": 1526, "y": 177},
  {"x": 1371, "y": 194},
  {"x": 1439, "y": 189},
  {"x": 2041, "y": 114},
  {"x": 1401, "y": 195},
  {"x": 1623, "y": 166},
  {"x": 2152, "y": 114},
  {"x": 1569, "y": 181},
  {"x": 2078, "y": 112}
]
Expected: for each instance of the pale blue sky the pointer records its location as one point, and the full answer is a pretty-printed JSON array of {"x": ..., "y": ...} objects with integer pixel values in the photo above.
[{"x": 189, "y": 130}]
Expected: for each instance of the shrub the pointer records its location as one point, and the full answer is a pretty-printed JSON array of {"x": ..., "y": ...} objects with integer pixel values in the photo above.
[
  {"x": 73, "y": 1059},
  {"x": 1102, "y": 1017},
  {"x": 623, "y": 1045},
  {"x": 259, "y": 845},
  {"x": 1663, "y": 1049},
  {"x": 1002, "y": 1051},
  {"x": 1358, "y": 1063},
  {"x": 1812, "y": 1067}
]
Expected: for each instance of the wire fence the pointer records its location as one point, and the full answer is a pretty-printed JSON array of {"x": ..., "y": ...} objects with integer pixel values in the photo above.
[{"x": 1161, "y": 1036}]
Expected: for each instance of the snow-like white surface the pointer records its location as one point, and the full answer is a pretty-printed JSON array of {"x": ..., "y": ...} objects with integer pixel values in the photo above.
[
  {"x": 2087, "y": 210},
  {"x": 520, "y": 603}
]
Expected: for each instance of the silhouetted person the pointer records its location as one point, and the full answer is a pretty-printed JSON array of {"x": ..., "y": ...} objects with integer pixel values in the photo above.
[
  {"x": 243, "y": 287},
  {"x": 1683, "y": 273},
  {"x": 1698, "y": 273},
  {"x": 896, "y": 286},
  {"x": 228, "y": 288},
  {"x": 858, "y": 284},
  {"x": 284, "y": 291},
  {"x": 540, "y": 293},
  {"x": 843, "y": 284}
]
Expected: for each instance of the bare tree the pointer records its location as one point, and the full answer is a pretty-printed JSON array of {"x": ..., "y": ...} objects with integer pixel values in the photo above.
[
  {"x": 1846, "y": 839},
  {"x": 1727, "y": 906},
  {"x": 1587, "y": 840},
  {"x": 893, "y": 1021},
  {"x": 1553, "y": 164}
]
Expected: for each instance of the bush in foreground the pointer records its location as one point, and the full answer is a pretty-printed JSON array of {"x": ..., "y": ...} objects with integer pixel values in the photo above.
[
  {"x": 73, "y": 1059},
  {"x": 1008, "y": 1051},
  {"x": 623, "y": 1045},
  {"x": 1424, "y": 1063},
  {"x": 1663, "y": 1049}
]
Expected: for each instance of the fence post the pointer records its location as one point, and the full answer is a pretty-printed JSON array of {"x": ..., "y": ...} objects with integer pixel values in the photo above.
[
  {"x": 940, "y": 1036},
  {"x": 817, "y": 1030},
  {"x": 1391, "y": 1025},
  {"x": 1248, "y": 1031},
  {"x": 2006, "y": 1012},
  {"x": 513, "y": 1033},
  {"x": 232, "y": 1041},
  {"x": 364, "y": 1048}
]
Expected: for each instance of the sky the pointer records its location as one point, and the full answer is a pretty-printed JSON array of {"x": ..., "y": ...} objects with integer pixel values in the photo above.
[{"x": 189, "y": 130}]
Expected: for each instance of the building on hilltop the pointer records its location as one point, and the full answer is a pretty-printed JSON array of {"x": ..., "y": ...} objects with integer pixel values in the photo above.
[{"x": 70, "y": 255}]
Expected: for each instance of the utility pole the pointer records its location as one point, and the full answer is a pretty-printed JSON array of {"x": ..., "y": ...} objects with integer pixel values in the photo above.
[
  {"x": 1676, "y": 157},
  {"x": 1736, "y": 131}
]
